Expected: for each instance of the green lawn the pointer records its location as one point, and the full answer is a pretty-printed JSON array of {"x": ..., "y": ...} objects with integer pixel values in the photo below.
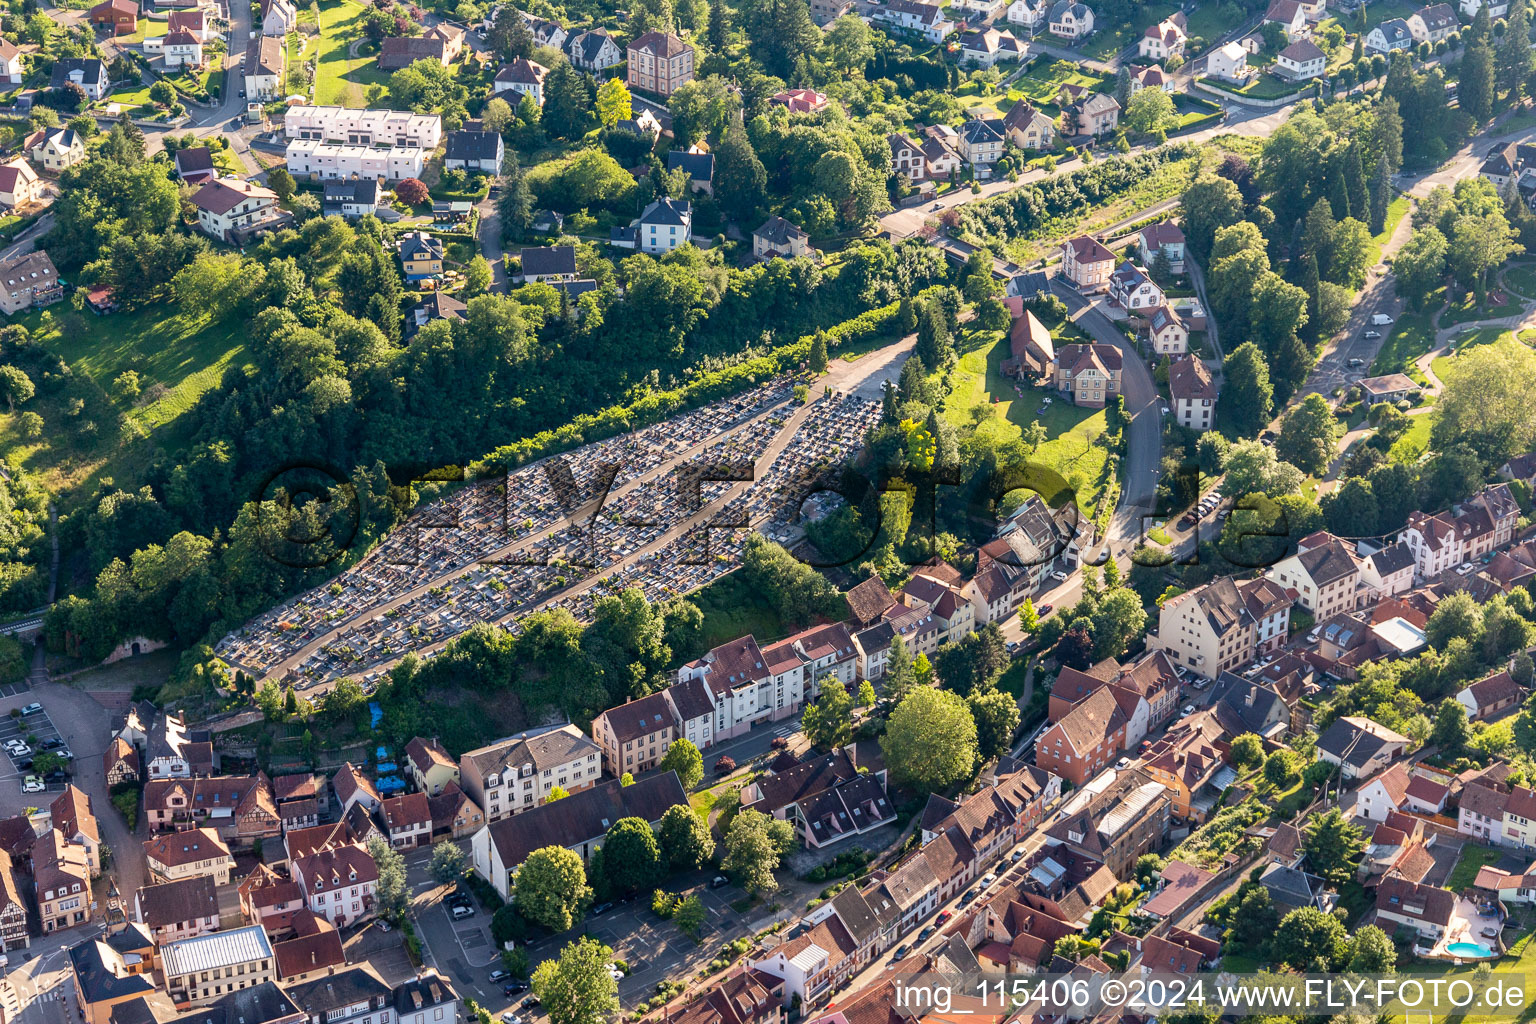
[
  {"x": 1409, "y": 338},
  {"x": 1042, "y": 81},
  {"x": 130, "y": 96},
  {"x": 1465, "y": 871},
  {"x": 340, "y": 79},
  {"x": 982, "y": 397},
  {"x": 1213, "y": 20},
  {"x": 1414, "y": 442},
  {"x": 731, "y": 610},
  {"x": 177, "y": 357},
  {"x": 1397, "y": 209},
  {"x": 1483, "y": 336},
  {"x": 1522, "y": 278},
  {"x": 1467, "y": 310}
]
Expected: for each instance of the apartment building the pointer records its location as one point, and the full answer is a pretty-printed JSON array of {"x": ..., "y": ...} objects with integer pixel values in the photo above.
[
  {"x": 28, "y": 280},
  {"x": 232, "y": 210},
  {"x": 63, "y": 882},
  {"x": 635, "y": 736},
  {"x": 363, "y": 127},
  {"x": 338, "y": 882},
  {"x": 660, "y": 63},
  {"x": 195, "y": 851},
  {"x": 1088, "y": 738},
  {"x": 519, "y": 772},
  {"x": 178, "y": 910},
  {"x": 431, "y": 766},
  {"x": 332, "y": 161},
  {"x": 1223, "y": 624},
  {"x": 201, "y": 969},
  {"x": 1193, "y": 391},
  {"x": 1323, "y": 572},
  {"x": 732, "y": 688},
  {"x": 1087, "y": 264},
  {"x": 1114, "y": 821},
  {"x": 1435, "y": 541}
]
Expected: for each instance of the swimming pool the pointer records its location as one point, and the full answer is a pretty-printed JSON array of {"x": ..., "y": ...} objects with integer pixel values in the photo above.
[{"x": 1469, "y": 950}]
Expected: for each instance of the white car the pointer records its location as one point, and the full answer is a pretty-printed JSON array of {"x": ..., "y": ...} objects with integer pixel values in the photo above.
[
  {"x": 1465, "y": 569},
  {"x": 33, "y": 784},
  {"x": 19, "y": 750},
  {"x": 1059, "y": 576},
  {"x": 1188, "y": 709}
]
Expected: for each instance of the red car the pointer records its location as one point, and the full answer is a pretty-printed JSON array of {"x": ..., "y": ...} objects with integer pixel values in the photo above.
[{"x": 946, "y": 915}]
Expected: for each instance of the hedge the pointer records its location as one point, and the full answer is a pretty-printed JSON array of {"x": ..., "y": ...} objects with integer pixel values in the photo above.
[{"x": 707, "y": 387}]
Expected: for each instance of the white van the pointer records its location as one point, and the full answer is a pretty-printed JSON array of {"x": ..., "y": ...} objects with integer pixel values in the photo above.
[{"x": 1380, "y": 318}]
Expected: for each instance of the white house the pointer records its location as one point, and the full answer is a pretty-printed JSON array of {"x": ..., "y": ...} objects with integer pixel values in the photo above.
[
  {"x": 11, "y": 69},
  {"x": 1301, "y": 61},
  {"x": 985, "y": 47},
  {"x": 474, "y": 151},
  {"x": 926, "y": 20},
  {"x": 524, "y": 77},
  {"x": 1291, "y": 16},
  {"x": 1131, "y": 289},
  {"x": 1435, "y": 541},
  {"x": 265, "y": 63},
  {"x": 1392, "y": 34},
  {"x": 1030, "y": 15},
  {"x": 1070, "y": 20},
  {"x": 1167, "y": 331},
  {"x": 364, "y": 127},
  {"x": 981, "y": 141},
  {"x": 593, "y": 51},
  {"x": 278, "y": 18},
  {"x": 56, "y": 149},
  {"x": 324, "y": 161},
  {"x": 1228, "y": 62},
  {"x": 182, "y": 49},
  {"x": 339, "y": 883},
  {"x": 1163, "y": 40},
  {"x": 664, "y": 225},
  {"x": 1496, "y": 9},
  {"x": 1194, "y": 393}
]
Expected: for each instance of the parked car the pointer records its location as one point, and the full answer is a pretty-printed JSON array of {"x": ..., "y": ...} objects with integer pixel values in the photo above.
[
  {"x": 1188, "y": 709},
  {"x": 601, "y": 908},
  {"x": 925, "y": 934},
  {"x": 945, "y": 916},
  {"x": 32, "y": 784},
  {"x": 514, "y": 986},
  {"x": 901, "y": 952},
  {"x": 508, "y": 1017},
  {"x": 460, "y": 911},
  {"x": 1368, "y": 335},
  {"x": 500, "y": 974},
  {"x": 1044, "y": 610},
  {"x": 719, "y": 882},
  {"x": 1357, "y": 361},
  {"x": 1059, "y": 576},
  {"x": 32, "y": 709}
]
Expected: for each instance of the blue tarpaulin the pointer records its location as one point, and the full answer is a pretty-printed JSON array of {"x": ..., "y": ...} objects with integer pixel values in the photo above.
[{"x": 375, "y": 714}]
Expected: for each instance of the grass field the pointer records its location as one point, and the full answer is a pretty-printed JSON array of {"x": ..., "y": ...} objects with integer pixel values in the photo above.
[
  {"x": 178, "y": 358},
  {"x": 981, "y": 397},
  {"x": 1414, "y": 442},
  {"x": 731, "y": 609},
  {"x": 1042, "y": 81},
  {"x": 1467, "y": 310},
  {"x": 1213, "y": 20},
  {"x": 1397, "y": 209},
  {"x": 1107, "y": 42},
  {"x": 339, "y": 78},
  {"x": 1465, "y": 871},
  {"x": 1409, "y": 338},
  {"x": 1483, "y": 336},
  {"x": 1522, "y": 278}
]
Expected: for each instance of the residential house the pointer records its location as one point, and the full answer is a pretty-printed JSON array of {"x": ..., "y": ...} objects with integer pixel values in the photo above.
[
  {"x": 55, "y": 150},
  {"x": 278, "y": 18},
  {"x": 1436, "y": 542},
  {"x": 441, "y": 43},
  {"x": 1388, "y": 572},
  {"x": 1032, "y": 351},
  {"x": 812, "y": 965},
  {"x": 1324, "y": 573},
  {"x": 828, "y": 798},
  {"x": 119, "y": 17},
  {"x": 1426, "y": 909},
  {"x": 825, "y": 652},
  {"x": 1165, "y": 39},
  {"x": 421, "y": 255},
  {"x": 1086, "y": 739},
  {"x": 428, "y": 998},
  {"x": 13, "y": 911},
  {"x": 1491, "y": 697},
  {"x": 944, "y": 597},
  {"x": 352, "y": 199},
  {"x": 1030, "y": 15},
  {"x": 1070, "y": 20},
  {"x": 74, "y": 819},
  {"x": 1163, "y": 239},
  {"x": 1498, "y": 501},
  {"x": 635, "y": 736},
  {"x": 62, "y": 880},
  {"x": 186, "y": 854},
  {"x": 1392, "y": 34},
  {"x": 778, "y": 237},
  {"x": 364, "y": 127},
  {"x": 89, "y": 73},
  {"x": 195, "y": 22},
  {"x": 925, "y": 20},
  {"x": 454, "y": 815},
  {"x": 334, "y": 161},
  {"x": 178, "y": 910},
  {"x": 266, "y": 61},
  {"x": 1432, "y": 23},
  {"x": 1177, "y": 886},
  {"x": 1496, "y": 8},
  {"x": 195, "y": 164},
  {"x": 800, "y": 101},
  {"x": 28, "y": 280},
  {"x": 1223, "y": 624},
  {"x": 593, "y": 51},
  {"x": 182, "y": 49},
  {"x": 1028, "y": 128},
  {"x": 19, "y": 184},
  {"x": 981, "y": 141},
  {"x": 308, "y": 948},
  {"x": 1112, "y": 823},
  {"x": 1131, "y": 289},
  {"x": 1301, "y": 61},
  {"x": 518, "y": 773},
  {"x": 1291, "y": 16},
  {"x": 11, "y": 67},
  {"x": 431, "y": 767},
  {"x": 941, "y": 162},
  {"x": 353, "y": 996},
  {"x": 120, "y": 762},
  {"x": 264, "y": 894},
  {"x": 1385, "y": 794},
  {"x": 662, "y": 226},
  {"x": 551, "y": 264},
  {"x": 353, "y": 787},
  {"x": 232, "y": 210},
  {"x": 476, "y": 152},
  {"x": 408, "y": 820},
  {"x": 825, "y": 12},
  {"x": 1096, "y": 114},
  {"x": 1228, "y": 62},
  {"x": 660, "y": 63},
  {"x": 1359, "y": 746},
  {"x": 338, "y": 882},
  {"x": 110, "y": 971},
  {"x": 985, "y": 47},
  {"x": 1240, "y": 705},
  {"x": 1089, "y": 373},
  {"x": 1152, "y": 77},
  {"x": 202, "y": 969},
  {"x": 579, "y": 822},
  {"x": 1087, "y": 264},
  {"x": 744, "y": 996},
  {"x": 524, "y": 77},
  {"x": 1167, "y": 331},
  {"x": 699, "y": 165}
]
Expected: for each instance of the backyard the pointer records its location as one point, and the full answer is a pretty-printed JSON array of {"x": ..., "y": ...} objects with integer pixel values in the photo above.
[
  {"x": 341, "y": 77},
  {"x": 1107, "y": 41},
  {"x": 998, "y": 408}
]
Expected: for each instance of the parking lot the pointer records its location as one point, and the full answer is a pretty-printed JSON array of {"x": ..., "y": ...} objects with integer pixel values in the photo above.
[{"x": 37, "y": 731}]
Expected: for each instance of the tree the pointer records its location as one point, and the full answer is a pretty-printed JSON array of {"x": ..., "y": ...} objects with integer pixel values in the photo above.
[
  {"x": 1309, "y": 435},
  {"x": 685, "y": 839},
  {"x": 1456, "y": 615},
  {"x": 1484, "y": 409},
  {"x": 1247, "y": 750},
  {"x": 1521, "y": 669},
  {"x": 1512, "y": 61},
  {"x": 1332, "y": 845},
  {"x": 1452, "y": 730},
  {"x": 567, "y": 102},
  {"x": 16, "y": 386},
  {"x": 684, "y": 758},
  {"x": 477, "y": 277},
  {"x": 930, "y": 740},
  {"x": 163, "y": 93},
  {"x": 1419, "y": 266},
  {"x": 997, "y": 718},
  {"x": 281, "y": 182},
  {"x": 1475, "y": 90},
  {"x": 1150, "y": 112},
  {"x": 779, "y": 34},
  {"x": 577, "y": 988},
  {"x": 849, "y": 44},
  {"x": 1310, "y": 940},
  {"x": 1371, "y": 952},
  {"x": 1122, "y": 93},
  {"x": 1252, "y": 468},
  {"x": 1353, "y": 252},
  {"x": 515, "y": 207},
  {"x": 550, "y": 888},
  {"x": 509, "y": 37},
  {"x": 411, "y": 191},
  {"x": 719, "y": 26},
  {"x": 933, "y": 337},
  {"x": 1478, "y": 244},
  {"x": 754, "y": 842},
  {"x": 1118, "y": 619},
  {"x": 898, "y": 669},
  {"x": 447, "y": 863},
  {"x": 972, "y": 663},
  {"x": 613, "y": 103},
  {"x": 740, "y": 179},
  {"x": 1246, "y": 395},
  {"x": 1280, "y": 768},
  {"x": 1209, "y": 204},
  {"x": 704, "y": 110},
  {"x": 866, "y": 697},
  {"x": 392, "y": 896},
  {"x": 631, "y": 856},
  {"x": 818, "y": 356},
  {"x": 828, "y": 723}
]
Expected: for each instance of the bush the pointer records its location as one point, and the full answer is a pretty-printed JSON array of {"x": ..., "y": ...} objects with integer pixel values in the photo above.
[
  {"x": 507, "y": 925},
  {"x": 127, "y": 804},
  {"x": 412, "y": 192}
]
